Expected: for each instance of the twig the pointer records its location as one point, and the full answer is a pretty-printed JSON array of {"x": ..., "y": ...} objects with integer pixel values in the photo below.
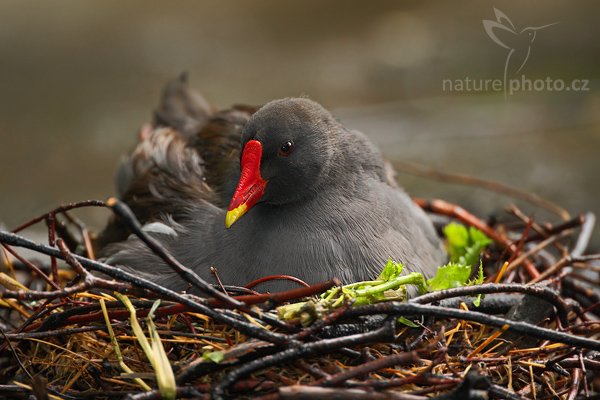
[
  {"x": 560, "y": 264},
  {"x": 32, "y": 267},
  {"x": 589, "y": 220},
  {"x": 213, "y": 270},
  {"x": 553, "y": 230},
  {"x": 396, "y": 308},
  {"x": 576, "y": 374},
  {"x": 420, "y": 379},
  {"x": 85, "y": 234},
  {"x": 576, "y": 362},
  {"x": 542, "y": 292},
  {"x": 279, "y": 297},
  {"x": 534, "y": 250},
  {"x": 87, "y": 282},
  {"x": 258, "y": 281},
  {"x": 384, "y": 362},
  {"x": 540, "y": 231},
  {"x": 51, "y": 222},
  {"x": 310, "y": 393},
  {"x": 58, "y": 210},
  {"x": 54, "y": 333}
]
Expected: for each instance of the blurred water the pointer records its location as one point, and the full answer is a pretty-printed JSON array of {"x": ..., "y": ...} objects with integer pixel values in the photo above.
[{"x": 78, "y": 78}]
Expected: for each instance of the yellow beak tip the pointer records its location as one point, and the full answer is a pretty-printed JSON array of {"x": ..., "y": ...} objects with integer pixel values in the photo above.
[
  {"x": 229, "y": 220},
  {"x": 234, "y": 215}
]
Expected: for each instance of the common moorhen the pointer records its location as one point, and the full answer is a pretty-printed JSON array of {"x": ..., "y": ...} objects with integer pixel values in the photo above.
[{"x": 306, "y": 197}]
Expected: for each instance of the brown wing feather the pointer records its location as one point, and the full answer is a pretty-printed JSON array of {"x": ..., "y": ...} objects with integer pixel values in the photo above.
[{"x": 189, "y": 155}]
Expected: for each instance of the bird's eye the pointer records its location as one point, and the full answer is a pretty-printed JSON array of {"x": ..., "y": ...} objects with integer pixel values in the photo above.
[{"x": 286, "y": 148}]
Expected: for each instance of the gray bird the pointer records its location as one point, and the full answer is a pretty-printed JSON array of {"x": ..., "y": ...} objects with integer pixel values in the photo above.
[{"x": 298, "y": 195}]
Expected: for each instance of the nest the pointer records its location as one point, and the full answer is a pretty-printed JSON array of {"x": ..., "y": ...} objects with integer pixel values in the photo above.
[{"x": 68, "y": 333}]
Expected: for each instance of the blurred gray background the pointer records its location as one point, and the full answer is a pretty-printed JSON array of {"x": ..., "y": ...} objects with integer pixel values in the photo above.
[{"x": 77, "y": 79}]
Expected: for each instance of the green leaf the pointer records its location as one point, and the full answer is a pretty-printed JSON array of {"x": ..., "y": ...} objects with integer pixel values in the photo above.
[
  {"x": 480, "y": 278},
  {"x": 115, "y": 343},
  {"x": 407, "y": 322},
  {"x": 478, "y": 281},
  {"x": 477, "y": 243},
  {"x": 153, "y": 348},
  {"x": 465, "y": 245},
  {"x": 214, "y": 356},
  {"x": 390, "y": 271},
  {"x": 478, "y": 237},
  {"x": 450, "y": 276},
  {"x": 457, "y": 238}
]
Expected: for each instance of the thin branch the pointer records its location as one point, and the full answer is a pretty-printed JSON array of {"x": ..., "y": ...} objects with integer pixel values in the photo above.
[
  {"x": 542, "y": 292},
  {"x": 58, "y": 210},
  {"x": 396, "y": 308},
  {"x": 375, "y": 365}
]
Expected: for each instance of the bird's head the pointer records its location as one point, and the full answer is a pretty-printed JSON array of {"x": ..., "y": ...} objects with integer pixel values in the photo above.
[
  {"x": 287, "y": 147},
  {"x": 531, "y": 31}
]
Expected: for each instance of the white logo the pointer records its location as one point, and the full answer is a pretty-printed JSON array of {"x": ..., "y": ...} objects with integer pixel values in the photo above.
[{"x": 518, "y": 43}]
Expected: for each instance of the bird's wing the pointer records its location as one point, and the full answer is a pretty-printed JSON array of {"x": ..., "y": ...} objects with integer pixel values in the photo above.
[
  {"x": 402, "y": 220},
  {"x": 134, "y": 256},
  {"x": 411, "y": 227},
  {"x": 188, "y": 155},
  {"x": 501, "y": 35},
  {"x": 159, "y": 177},
  {"x": 503, "y": 19}
]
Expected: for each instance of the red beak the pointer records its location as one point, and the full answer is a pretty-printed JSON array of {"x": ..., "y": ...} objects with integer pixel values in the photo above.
[{"x": 251, "y": 185}]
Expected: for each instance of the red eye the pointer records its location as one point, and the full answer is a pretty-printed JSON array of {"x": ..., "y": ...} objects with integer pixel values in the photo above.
[{"x": 286, "y": 148}]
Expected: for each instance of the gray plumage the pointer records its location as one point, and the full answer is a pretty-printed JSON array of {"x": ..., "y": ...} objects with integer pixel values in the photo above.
[{"x": 329, "y": 209}]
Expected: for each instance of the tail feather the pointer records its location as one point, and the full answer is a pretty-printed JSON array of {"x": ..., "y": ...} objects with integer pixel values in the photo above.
[{"x": 181, "y": 108}]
